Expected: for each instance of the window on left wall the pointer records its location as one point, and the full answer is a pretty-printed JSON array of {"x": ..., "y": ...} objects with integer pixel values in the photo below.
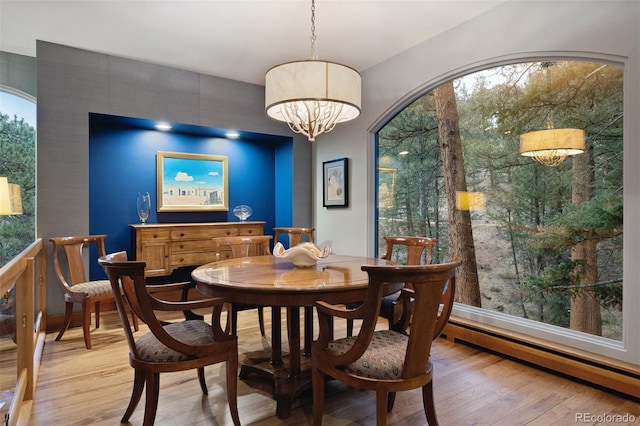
[{"x": 17, "y": 163}]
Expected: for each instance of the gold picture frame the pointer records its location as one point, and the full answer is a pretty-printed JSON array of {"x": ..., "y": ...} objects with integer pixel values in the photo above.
[{"x": 189, "y": 182}]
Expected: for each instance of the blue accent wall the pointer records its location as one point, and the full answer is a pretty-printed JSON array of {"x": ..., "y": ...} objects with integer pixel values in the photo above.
[
  {"x": 284, "y": 186},
  {"x": 122, "y": 162}
]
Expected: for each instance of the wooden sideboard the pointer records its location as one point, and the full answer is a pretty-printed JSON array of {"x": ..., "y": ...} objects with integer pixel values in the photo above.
[{"x": 168, "y": 246}]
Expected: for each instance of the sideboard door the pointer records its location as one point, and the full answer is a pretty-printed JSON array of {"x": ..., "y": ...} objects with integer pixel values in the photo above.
[{"x": 156, "y": 254}]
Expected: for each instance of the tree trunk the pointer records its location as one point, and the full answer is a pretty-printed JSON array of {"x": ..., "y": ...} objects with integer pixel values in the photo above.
[
  {"x": 460, "y": 231},
  {"x": 585, "y": 309}
]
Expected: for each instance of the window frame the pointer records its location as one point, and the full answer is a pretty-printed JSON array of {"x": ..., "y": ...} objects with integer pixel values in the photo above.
[{"x": 628, "y": 348}]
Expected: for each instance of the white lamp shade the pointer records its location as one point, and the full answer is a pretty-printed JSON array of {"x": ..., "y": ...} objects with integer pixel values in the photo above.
[
  {"x": 564, "y": 141},
  {"x": 551, "y": 146},
  {"x": 10, "y": 198},
  {"x": 313, "y": 80}
]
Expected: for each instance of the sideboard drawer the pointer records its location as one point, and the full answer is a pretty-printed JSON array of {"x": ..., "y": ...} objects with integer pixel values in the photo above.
[
  {"x": 190, "y": 259},
  {"x": 249, "y": 230},
  {"x": 155, "y": 234},
  {"x": 204, "y": 245},
  {"x": 200, "y": 234}
]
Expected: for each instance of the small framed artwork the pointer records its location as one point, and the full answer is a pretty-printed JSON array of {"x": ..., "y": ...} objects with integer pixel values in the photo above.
[
  {"x": 335, "y": 183},
  {"x": 191, "y": 182},
  {"x": 386, "y": 187}
]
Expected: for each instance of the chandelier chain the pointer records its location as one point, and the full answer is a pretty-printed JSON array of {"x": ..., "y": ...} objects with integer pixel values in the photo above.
[
  {"x": 548, "y": 97},
  {"x": 314, "y": 55}
]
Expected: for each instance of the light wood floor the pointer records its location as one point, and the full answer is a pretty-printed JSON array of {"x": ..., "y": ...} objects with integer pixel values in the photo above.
[{"x": 472, "y": 387}]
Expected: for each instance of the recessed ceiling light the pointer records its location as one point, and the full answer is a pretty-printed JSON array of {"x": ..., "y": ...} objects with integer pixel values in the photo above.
[
  {"x": 163, "y": 126},
  {"x": 232, "y": 134}
]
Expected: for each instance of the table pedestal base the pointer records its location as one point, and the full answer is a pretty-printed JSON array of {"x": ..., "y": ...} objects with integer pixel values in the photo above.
[
  {"x": 291, "y": 378},
  {"x": 286, "y": 388}
]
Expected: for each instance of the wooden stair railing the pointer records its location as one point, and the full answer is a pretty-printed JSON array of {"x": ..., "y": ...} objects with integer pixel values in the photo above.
[{"x": 28, "y": 272}]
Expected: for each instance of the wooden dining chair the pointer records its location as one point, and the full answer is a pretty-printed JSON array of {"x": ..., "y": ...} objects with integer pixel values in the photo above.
[
  {"x": 72, "y": 277},
  {"x": 168, "y": 346},
  {"x": 410, "y": 251},
  {"x": 243, "y": 246},
  {"x": 295, "y": 235},
  {"x": 386, "y": 361}
]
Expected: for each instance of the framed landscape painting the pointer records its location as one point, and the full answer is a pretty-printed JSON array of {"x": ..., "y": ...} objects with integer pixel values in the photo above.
[
  {"x": 191, "y": 182},
  {"x": 335, "y": 183}
]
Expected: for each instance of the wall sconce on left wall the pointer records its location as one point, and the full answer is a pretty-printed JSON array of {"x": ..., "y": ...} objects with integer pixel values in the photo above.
[{"x": 10, "y": 198}]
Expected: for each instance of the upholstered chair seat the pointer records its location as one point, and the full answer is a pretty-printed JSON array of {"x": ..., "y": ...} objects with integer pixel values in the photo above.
[
  {"x": 383, "y": 359},
  {"x": 94, "y": 288},
  {"x": 192, "y": 332}
]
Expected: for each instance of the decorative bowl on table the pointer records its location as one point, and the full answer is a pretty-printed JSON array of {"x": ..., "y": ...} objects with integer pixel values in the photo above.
[{"x": 303, "y": 255}]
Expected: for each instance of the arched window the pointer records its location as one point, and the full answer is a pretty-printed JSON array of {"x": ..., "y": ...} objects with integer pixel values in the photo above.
[
  {"x": 17, "y": 163},
  {"x": 518, "y": 169}
]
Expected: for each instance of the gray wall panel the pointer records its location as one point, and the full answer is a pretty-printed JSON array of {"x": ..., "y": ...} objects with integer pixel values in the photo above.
[
  {"x": 74, "y": 82},
  {"x": 139, "y": 89},
  {"x": 224, "y": 104},
  {"x": 70, "y": 85}
]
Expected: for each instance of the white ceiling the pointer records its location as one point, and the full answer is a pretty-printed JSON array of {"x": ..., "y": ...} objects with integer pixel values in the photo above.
[{"x": 237, "y": 39}]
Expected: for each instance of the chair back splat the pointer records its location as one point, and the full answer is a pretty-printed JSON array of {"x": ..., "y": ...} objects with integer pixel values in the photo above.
[
  {"x": 413, "y": 246},
  {"x": 385, "y": 361},
  {"x": 244, "y": 246},
  {"x": 168, "y": 346},
  {"x": 295, "y": 235},
  {"x": 406, "y": 250}
]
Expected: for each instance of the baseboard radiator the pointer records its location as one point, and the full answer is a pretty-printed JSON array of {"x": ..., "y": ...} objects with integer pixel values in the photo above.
[{"x": 604, "y": 372}]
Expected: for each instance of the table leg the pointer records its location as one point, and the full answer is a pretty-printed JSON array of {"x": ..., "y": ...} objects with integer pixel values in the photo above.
[
  {"x": 293, "y": 331},
  {"x": 276, "y": 350},
  {"x": 289, "y": 385},
  {"x": 308, "y": 330},
  {"x": 276, "y": 336}
]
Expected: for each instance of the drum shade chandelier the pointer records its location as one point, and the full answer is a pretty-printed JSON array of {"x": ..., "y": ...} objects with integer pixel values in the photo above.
[
  {"x": 551, "y": 146},
  {"x": 312, "y": 96}
]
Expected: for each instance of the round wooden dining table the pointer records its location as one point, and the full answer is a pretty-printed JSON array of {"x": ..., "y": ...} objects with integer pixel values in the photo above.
[{"x": 276, "y": 282}]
